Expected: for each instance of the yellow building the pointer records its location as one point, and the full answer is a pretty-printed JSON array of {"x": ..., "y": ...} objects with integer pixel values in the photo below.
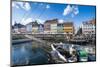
[
  {"x": 69, "y": 28},
  {"x": 35, "y": 29}
]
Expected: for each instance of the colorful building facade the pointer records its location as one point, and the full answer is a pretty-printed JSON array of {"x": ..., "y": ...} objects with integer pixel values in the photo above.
[
  {"x": 47, "y": 26},
  {"x": 35, "y": 27},
  {"x": 88, "y": 28},
  {"x": 69, "y": 28},
  {"x": 60, "y": 28},
  {"x": 29, "y": 27},
  {"x": 53, "y": 26},
  {"x": 41, "y": 28}
]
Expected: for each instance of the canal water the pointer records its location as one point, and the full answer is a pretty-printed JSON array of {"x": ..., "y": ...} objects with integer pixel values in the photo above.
[{"x": 22, "y": 54}]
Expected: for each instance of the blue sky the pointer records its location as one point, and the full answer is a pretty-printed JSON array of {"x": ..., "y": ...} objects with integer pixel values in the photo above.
[{"x": 25, "y": 12}]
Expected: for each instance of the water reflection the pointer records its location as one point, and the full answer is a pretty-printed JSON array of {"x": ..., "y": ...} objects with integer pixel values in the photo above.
[{"x": 22, "y": 54}]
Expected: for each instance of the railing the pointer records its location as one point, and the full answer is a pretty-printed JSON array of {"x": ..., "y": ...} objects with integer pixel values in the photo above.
[{"x": 58, "y": 36}]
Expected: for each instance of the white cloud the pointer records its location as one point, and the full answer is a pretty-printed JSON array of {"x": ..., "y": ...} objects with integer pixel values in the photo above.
[
  {"x": 27, "y": 6},
  {"x": 61, "y": 21},
  {"x": 14, "y": 5},
  {"x": 40, "y": 21},
  {"x": 73, "y": 10},
  {"x": 76, "y": 10},
  {"x": 24, "y": 5},
  {"x": 26, "y": 21},
  {"x": 67, "y": 10},
  {"x": 47, "y": 6}
]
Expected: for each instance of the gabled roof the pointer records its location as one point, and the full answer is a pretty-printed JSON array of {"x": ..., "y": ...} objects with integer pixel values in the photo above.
[
  {"x": 18, "y": 25},
  {"x": 52, "y": 21},
  {"x": 33, "y": 23}
]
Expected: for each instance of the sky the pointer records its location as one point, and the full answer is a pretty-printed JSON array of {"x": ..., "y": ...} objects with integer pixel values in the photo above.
[{"x": 25, "y": 12}]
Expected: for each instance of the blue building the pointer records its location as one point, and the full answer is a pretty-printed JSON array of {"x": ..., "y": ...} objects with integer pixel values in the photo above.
[{"x": 41, "y": 28}]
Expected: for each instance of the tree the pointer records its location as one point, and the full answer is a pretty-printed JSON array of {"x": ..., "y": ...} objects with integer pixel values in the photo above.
[{"x": 79, "y": 32}]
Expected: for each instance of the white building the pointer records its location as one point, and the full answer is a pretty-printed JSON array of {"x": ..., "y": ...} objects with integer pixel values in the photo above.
[
  {"x": 29, "y": 27},
  {"x": 88, "y": 28}
]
